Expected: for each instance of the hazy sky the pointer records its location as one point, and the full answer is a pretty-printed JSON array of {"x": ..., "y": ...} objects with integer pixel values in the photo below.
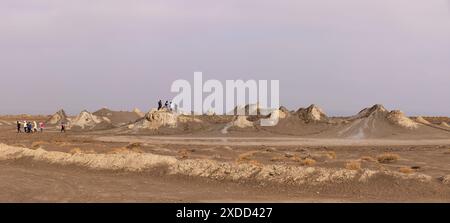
[{"x": 342, "y": 55}]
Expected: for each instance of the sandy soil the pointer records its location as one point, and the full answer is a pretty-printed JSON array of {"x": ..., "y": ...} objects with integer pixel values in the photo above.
[{"x": 195, "y": 162}]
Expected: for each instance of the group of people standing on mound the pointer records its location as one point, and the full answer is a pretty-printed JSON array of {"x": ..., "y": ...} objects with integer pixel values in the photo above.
[
  {"x": 168, "y": 105},
  {"x": 30, "y": 127}
]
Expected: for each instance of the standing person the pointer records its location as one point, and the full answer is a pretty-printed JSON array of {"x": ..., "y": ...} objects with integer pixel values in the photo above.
[
  {"x": 159, "y": 105},
  {"x": 166, "y": 105},
  {"x": 171, "y": 108},
  {"x": 25, "y": 126},
  {"x": 29, "y": 127},
  {"x": 41, "y": 126},
  {"x": 19, "y": 127},
  {"x": 35, "y": 126},
  {"x": 63, "y": 127}
]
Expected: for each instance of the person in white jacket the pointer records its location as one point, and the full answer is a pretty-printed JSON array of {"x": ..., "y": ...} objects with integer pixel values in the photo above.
[{"x": 35, "y": 126}]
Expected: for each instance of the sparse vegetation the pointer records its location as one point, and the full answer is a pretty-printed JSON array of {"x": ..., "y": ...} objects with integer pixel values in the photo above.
[
  {"x": 406, "y": 170},
  {"x": 308, "y": 162},
  {"x": 78, "y": 150},
  {"x": 277, "y": 158},
  {"x": 134, "y": 145},
  {"x": 122, "y": 150},
  {"x": 368, "y": 159},
  {"x": 245, "y": 157},
  {"x": 388, "y": 158},
  {"x": 331, "y": 155},
  {"x": 353, "y": 165},
  {"x": 38, "y": 144}
]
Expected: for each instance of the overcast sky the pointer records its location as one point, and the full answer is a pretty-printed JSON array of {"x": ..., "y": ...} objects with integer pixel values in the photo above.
[{"x": 342, "y": 55}]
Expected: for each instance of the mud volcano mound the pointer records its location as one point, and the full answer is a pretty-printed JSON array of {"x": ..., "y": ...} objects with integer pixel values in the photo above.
[
  {"x": 166, "y": 122},
  {"x": 117, "y": 118},
  {"x": 58, "y": 118},
  {"x": 311, "y": 114},
  {"x": 88, "y": 121},
  {"x": 378, "y": 122}
]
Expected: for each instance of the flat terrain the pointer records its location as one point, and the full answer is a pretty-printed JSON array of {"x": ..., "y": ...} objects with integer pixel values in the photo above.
[{"x": 228, "y": 168}]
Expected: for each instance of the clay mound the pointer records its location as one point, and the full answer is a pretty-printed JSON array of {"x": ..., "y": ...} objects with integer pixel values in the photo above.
[
  {"x": 377, "y": 122},
  {"x": 238, "y": 122},
  {"x": 445, "y": 125},
  {"x": 88, "y": 121},
  {"x": 167, "y": 122},
  {"x": 371, "y": 111},
  {"x": 421, "y": 120},
  {"x": 312, "y": 114},
  {"x": 398, "y": 117},
  {"x": 58, "y": 118},
  {"x": 117, "y": 118},
  {"x": 156, "y": 119}
]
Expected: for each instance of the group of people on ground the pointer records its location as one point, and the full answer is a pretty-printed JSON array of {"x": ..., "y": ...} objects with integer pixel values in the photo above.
[
  {"x": 168, "y": 105},
  {"x": 33, "y": 127},
  {"x": 30, "y": 127}
]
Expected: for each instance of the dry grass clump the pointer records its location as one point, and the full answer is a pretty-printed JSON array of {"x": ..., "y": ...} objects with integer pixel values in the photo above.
[
  {"x": 183, "y": 154},
  {"x": 368, "y": 159},
  {"x": 308, "y": 162},
  {"x": 353, "y": 165},
  {"x": 38, "y": 144},
  {"x": 245, "y": 157},
  {"x": 304, "y": 161},
  {"x": 406, "y": 170},
  {"x": 78, "y": 150},
  {"x": 122, "y": 150},
  {"x": 388, "y": 158},
  {"x": 296, "y": 158},
  {"x": 255, "y": 163},
  {"x": 277, "y": 158},
  {"x": 134, "y": 145},
  {"x": 447, "y": 152},
  {"x": 331, "y": 155}
]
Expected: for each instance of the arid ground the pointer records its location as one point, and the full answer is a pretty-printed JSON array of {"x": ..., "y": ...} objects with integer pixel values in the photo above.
[{"x": 106, "y": 156}]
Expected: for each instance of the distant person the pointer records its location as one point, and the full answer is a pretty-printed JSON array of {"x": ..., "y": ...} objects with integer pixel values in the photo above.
[
  {"x": 166, "y": 105},
  {"x": 19, "y": 127},
  {"x": 171, "y": 108},
  {"x": 63, "y": 127},
  {"x": 25, "y": 126},
  {"x": 159, "y": 105},
  {"x": 29, "y": 127},
  {"x": 35, "y": 126},
  {"x": 41, "y": 127}
]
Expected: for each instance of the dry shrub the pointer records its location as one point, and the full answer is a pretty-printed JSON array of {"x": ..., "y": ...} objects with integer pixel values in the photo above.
[
  {"x": 77, "y": 150},
  {"x": 447, "y": 152},
  {"x": 38, "y": 144},
  {"x": 296, "y": 158},
  {"x": 368, "y": 159},
  {"x": 406, "y": 170},
  {"x": 353, "y": 165},
  {"x": 308, "y": 162},
  {"x": 331, "y": 155},
  {"x": 277, "y": 158},
  {"x": 255, "y": 163},
  {"x": 388, "y": 158},
  {"x": 245, "y": 157},
  {"x": 134, "y": 145},
  {"x": 183, "y": 154},
  {"x": 122, "y": 150}
]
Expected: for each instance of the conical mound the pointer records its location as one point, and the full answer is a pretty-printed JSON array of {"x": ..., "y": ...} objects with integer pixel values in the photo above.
[
  {"x": 58, "y": 118},
  {"x": 312, "y": 113},
  {"x": 421, "y": 120},
  {"x": 117, "y": 118},
  {"x": 88, "y": 121}
]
